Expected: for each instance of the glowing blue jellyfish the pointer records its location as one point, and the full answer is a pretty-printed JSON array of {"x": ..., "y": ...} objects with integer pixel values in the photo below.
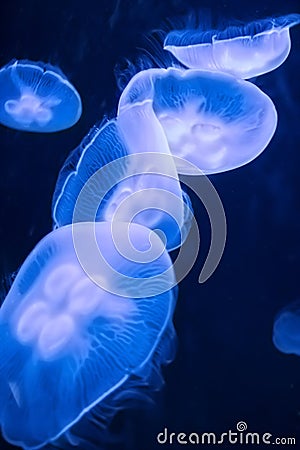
[
  {"x": 246, "y": 52},
  {"x": 210, "y": 119},
  {"x": 286, "y": 330},
  {"x": 72, "y": 333},
  {"x": 37, "y": 97},
  {"x": 101, "y": 181},
  {"x": 100, "y": 147}
]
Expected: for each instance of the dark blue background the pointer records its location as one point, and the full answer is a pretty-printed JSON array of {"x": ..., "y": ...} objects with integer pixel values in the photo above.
[{"x": 226, "y": 368}]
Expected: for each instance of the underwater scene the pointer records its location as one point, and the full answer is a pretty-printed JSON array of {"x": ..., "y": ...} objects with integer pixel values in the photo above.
[{"x": 149, "y": 259}]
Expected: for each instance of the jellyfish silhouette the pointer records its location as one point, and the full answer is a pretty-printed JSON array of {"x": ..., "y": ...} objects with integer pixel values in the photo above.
[
  {"x": 244, "y": 51},
  {"x": 100, "y": 180},
  {"x": 210, "y": 119},
  {"x": 68, "y": 342},
  {"x": 286, "y": 330},
  {"x": 37, "y": 97}
]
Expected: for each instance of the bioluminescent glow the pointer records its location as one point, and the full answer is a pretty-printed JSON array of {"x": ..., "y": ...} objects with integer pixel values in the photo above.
[
  {"x": 101, "y": 146},
  {"x": 100, "y": 179},
  {"x": 67, "y": 344},
  {"x": 210, "y": 119},
  {"x": 87, "y": 321},
  {"x": 286, "y": 330},
  {"x": 37, "y": 97},
  {"x": 244, "y": 51}
]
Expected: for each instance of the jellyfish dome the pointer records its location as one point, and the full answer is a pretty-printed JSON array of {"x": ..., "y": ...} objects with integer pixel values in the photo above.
[
  {"x": 101, "y": 180},
  {"x": 37, "y": 97},
  {"x": 286, "y": 330},
  {"x": 244, "y": 51},
  {"x": 81, "y": 320},
  {"x": 210, "y": 119}
]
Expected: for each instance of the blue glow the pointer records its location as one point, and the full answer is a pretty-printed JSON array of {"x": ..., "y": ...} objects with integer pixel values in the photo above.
[
  {"x": 211, "y": 119},
  {"x": 101, "y": 146},
  {"x": 88, "y": 318},
  {"x": 286, "y": 330},
  {"x": 67, "y": 344},
  {"x": 246, "y": 52},
  {"x": 146, "y": 196},
  {"x": 37, "y": 97}
]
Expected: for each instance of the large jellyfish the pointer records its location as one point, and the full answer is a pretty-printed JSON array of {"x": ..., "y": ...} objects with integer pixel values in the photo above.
[
  {"x": 37, "y": 97},
  {"x": 244, "y": 51},
  {"x": 286, "y": 330},
  {"x": 80, "y": 321},
  {"x": 101, "y": 181},
  {"x": 210, "y": 119}
]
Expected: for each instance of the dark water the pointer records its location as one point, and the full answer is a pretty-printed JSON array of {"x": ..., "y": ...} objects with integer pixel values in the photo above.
[{"x": 226, "y": 369}]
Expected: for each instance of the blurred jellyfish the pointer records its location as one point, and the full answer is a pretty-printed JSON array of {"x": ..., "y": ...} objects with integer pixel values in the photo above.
[
  {"x": 244, "y": 51},
  {"x": 37, "y": 97},
  {"x": 210, "y": 119},
  {"x": 286, "y": 330},
  {"x": 69, "y": 341},
  {"x": 101, "y": 181}
]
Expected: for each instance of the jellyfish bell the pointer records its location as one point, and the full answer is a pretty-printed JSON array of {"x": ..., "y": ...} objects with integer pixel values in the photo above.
[
  {"x": 37, "y": 97},
  {"x": 98, "y": 149},
  {"x": 102, "y": 178},
  {"x": 245, "y": 52},
  {"x": 210, "y": 119},
  {"x": 78, "y": 325},
  {"x": 286, "y": 329}
]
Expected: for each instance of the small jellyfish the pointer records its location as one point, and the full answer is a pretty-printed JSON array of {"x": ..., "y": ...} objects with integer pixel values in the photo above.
[
  {"x": 81, "y": 321},
  {"x": 101, "y": 180},
  {"x": 37, "y": 97},
  {"x": 210, "y": 119},
  {"x": 286, "y": 330},
  {"x": 244, "y": 51}
]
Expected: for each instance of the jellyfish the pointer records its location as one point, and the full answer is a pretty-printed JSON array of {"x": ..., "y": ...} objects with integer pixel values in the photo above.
[
  {"x": 37, "y": 97},
  {"x": 243, "y": 51},
  {"x": 82, "y": 320},
  {"x": 101, "y": 181},
  {"x": 286, "y": 330},
  {"x": 210, "y": 119},
  {"x": 100, "y": 147}
]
